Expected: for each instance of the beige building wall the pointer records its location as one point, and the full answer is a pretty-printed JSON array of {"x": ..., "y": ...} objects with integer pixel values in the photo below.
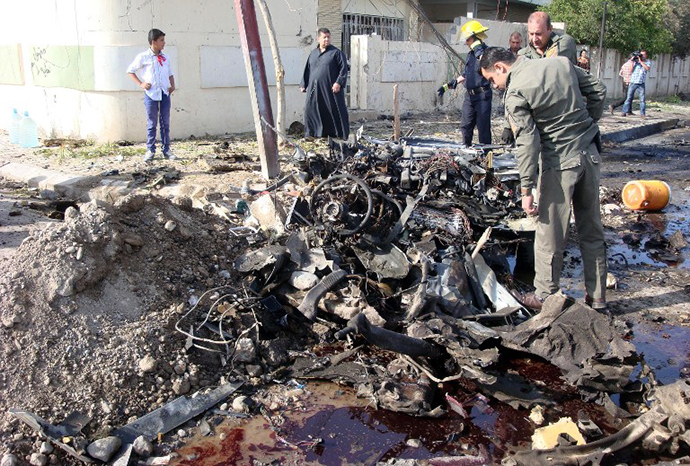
[
  {"x": 445, "y": 11},
  {"x": 330, "y": 16},
  {"x": 418, "y": 68},
  {"x": 68, "y": 68}
]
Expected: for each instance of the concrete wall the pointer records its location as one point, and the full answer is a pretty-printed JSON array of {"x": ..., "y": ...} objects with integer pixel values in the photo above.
[
  {"x": 68, "y": 68},
  {"x": 446, "y": 12},
  {"x": 387, "y": 8},
  {"x": 330, "y": 16},
  {"x": 421, "y": 67},
  {"x": 418, "y": 67},
  {"x": 667, "y": 76}
]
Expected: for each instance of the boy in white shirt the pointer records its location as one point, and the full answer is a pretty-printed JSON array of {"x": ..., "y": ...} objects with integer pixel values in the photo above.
[{"x": 152, "y": 72}]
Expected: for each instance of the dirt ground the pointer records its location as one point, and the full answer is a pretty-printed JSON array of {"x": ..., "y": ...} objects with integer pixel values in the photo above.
[
  {"x": 89, "y": 298},
  {"x": 651, "y": 285}
]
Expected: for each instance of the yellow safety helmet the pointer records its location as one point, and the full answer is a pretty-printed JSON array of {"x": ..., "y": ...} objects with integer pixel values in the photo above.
[{"x": 471, "y": 28}]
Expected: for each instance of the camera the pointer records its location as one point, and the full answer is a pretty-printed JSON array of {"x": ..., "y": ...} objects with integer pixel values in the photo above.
[{"x": 636, "y": 55}]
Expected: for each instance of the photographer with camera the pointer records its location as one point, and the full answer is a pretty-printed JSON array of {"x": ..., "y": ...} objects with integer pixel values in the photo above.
[{"x": 637, "y": 81}]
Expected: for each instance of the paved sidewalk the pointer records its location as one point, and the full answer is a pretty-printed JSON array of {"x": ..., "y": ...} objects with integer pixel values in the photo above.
[{"x": 111, "y": 176}]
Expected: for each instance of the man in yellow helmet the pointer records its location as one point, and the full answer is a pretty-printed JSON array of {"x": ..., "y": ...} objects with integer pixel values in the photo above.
[{"x": 476, "y": 108}]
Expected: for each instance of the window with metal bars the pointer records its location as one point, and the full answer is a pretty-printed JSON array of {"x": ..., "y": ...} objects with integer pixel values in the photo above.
[{"x": 386, "y": 28}]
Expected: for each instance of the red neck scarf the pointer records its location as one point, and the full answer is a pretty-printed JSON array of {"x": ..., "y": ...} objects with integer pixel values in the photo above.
[{"x": 161, "y": 59}]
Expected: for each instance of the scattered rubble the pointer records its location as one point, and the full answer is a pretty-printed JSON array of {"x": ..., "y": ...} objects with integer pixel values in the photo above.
[
  {"x": 94, "y": 331},
  {"x": 380, "y": 265}
]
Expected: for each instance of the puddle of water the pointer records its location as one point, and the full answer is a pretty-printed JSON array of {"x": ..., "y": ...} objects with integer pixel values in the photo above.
[
  {"x": 673, "y": 218},
  {"x": 666, "y": 349},
  {"x": 634, "y": 256}
]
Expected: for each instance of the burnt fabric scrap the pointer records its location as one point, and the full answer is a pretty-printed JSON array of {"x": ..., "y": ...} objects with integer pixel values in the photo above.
[
  {"x": 578, "y": 340},
  {"x": 325, "y": 112}
]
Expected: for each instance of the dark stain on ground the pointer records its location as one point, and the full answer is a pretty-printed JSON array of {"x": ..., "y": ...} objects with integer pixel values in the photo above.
[
  {"x": 219, "y": 452},
  {"x": 364, "y": 435}
]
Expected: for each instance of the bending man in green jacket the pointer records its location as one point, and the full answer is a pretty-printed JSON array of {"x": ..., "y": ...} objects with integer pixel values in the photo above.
[{"x": 552, "y": 108}]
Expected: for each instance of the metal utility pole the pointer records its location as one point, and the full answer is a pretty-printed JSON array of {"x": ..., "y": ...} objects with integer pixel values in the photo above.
[
  {"x": 601, "y": 41},
  {"x": 258, "y": 87}
]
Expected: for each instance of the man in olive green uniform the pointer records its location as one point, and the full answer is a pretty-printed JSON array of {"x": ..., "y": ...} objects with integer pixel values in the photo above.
[
  {"x": 544, "y": 43},
  {"x": 552, "y": 108}
]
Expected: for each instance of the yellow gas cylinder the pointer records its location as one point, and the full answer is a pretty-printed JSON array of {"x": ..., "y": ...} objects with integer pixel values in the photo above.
[{"x": 646, "y": 195}]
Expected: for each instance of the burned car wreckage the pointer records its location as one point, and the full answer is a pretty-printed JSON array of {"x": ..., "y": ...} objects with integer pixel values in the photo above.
[
  {"x": 389, "y": 247},
  {"x": 390, "y": 270}
]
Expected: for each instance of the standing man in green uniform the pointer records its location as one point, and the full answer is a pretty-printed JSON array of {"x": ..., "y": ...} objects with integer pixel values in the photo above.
[
  {"x": 544, "y": 43},
  {"x": 552, "y": 108}
]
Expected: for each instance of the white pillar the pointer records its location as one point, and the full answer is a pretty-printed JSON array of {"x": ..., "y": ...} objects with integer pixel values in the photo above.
[{"x": 471, "y": 9}]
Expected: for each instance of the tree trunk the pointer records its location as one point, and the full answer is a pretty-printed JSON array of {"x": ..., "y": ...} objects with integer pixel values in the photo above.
[
  {"x": 280, "y": 71},
  {"x": 396, "y": 114}
]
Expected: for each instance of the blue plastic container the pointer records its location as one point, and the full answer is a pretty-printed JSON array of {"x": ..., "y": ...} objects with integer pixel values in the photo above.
[
  {"x": 29, "y": 132},
  {"x": 15, "y": 127}
]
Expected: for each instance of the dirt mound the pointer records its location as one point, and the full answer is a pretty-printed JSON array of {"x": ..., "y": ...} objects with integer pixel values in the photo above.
[{"x": 88, "y": 308}]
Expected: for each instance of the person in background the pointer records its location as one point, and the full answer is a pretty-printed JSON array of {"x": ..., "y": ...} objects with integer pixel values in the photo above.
[
  {"x": 543, "y": 43},
  {"x": 324, "y": 80},
  {"x": 625, "y": 73},
  {"x": 515, "y": 42},
  {"x": 637, "y": 82},
  {"x": 476, "y": 108},
  {"x": 151, "y": 71},
  {"x": 583, "y": 60}
]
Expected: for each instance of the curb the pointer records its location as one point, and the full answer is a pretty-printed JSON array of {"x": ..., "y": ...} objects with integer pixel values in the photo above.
[
  {"x": 65, "y": 184},
  {"x": 640, "y": 131}
]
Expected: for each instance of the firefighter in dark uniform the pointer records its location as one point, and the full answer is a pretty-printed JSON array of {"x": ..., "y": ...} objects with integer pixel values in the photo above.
[{"x": 476, "y": 108}]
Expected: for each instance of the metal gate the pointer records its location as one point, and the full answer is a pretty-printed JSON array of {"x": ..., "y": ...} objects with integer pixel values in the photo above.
[{"x": 387, "y": 28}]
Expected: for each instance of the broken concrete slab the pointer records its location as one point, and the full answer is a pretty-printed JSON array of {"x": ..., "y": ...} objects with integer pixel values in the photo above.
[
  {"x": 269, "y": 213},
  {"x": 65, "y": 184},
  {"x": 103, "y": 449}
]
